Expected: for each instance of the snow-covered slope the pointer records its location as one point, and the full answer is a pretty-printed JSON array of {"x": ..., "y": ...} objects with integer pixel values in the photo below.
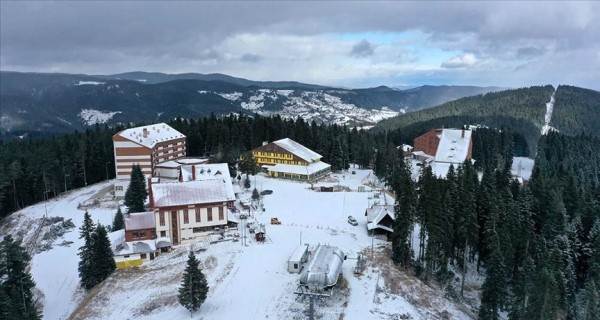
[{"x": 246, "y": 282}]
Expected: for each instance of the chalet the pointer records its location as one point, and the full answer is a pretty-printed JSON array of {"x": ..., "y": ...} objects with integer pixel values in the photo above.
[
  {"x": 380, "y": 219},
  {"x": 443, "y": 148},
  {"x": 198, "y": 202},
  {"x": 286, "y": 158},
  {"x": 138, "y": 241},
  {"x": 145, "y": 146}
]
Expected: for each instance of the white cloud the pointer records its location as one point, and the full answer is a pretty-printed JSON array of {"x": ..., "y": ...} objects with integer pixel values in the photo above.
[{"x": 460, "y": 61}]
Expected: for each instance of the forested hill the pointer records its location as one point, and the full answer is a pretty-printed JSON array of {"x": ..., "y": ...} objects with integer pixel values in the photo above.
[
  {"x": 576, "y": 111},
  {"x": 53, "y": 103}
]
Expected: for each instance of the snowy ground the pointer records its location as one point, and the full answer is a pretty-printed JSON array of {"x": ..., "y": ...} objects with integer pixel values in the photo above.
[{"x": 247, "y": 282}]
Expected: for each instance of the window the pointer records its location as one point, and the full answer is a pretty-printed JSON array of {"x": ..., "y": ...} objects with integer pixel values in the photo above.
[
  {"x": 143, "y": 256},
  {"x": 295, "y": 266},
  {"x": 186, "y": 216},
  {"x": 221, "y": 214},
  {"x": 161, "y": 217},
  {"x": 163, "y": 233},
  {"x": 209, "y": 214},
  {"x": 126, "y": 256},
  {"x": 197, "y": 214},
  {"x": 119, "y": 188}
]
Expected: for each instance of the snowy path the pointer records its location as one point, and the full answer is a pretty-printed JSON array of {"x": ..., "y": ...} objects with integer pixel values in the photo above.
[{"x": 548, "y": 116}]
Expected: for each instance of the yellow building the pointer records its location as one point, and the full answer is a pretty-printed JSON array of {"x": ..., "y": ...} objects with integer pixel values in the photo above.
[{"x": 287, "y": 158}]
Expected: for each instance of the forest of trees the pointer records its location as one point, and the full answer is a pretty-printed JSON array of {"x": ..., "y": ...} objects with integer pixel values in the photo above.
[{"x": 537, "y": 244}]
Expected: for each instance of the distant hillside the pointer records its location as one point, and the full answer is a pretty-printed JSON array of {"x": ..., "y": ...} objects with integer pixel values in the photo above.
[
  {"x": 43, "y": 102},
  {"x": 521, "y": 109},
  {"x": 576, "y": 111}
]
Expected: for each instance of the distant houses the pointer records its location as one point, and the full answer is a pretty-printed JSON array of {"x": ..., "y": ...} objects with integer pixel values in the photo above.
[
  {"x": 288, "y": 159},
  {"x": 145, "y": 146}
]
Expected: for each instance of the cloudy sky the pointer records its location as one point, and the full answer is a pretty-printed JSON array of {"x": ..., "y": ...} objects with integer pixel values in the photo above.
[{"x": 351, "y": 44}]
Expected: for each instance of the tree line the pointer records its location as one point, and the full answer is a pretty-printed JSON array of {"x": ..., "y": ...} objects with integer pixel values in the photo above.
[{"x": 537, "y": 244}]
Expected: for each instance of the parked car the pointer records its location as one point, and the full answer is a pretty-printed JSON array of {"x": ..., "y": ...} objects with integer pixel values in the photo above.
[
  {"x": 243, "y": 216},
  {"x": 275, "y": 221},
  {"x": 266, "y": 192},
  {"x": 352, "y": 221}
]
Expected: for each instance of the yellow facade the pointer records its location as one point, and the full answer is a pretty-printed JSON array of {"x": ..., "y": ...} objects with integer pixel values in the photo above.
[
  {"x": 124, "y": 264},
  {"x": 274, "y": 158}
]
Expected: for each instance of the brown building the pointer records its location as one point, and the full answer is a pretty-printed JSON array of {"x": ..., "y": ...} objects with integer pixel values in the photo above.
[
  {"x": 145, "y": 146},
  {"x": 140, "y": 226},
  {"x": 444, "y": 148}
]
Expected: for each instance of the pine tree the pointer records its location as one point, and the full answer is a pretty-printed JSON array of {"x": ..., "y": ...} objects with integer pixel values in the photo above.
[
  {"x": 136, "y": 193},
  {"x": 86, "y": 262},
  {"x": 118, "y": 221},
  {"x": 247, "y": 182},
  {"x": 588, "y": 302},
  {"x": 255, "y": 194},
  {"x": 17, "y": 283},
  {"x": 102, "y": 255},
  {"x": 248, "y": 164},
  {"x": 194, "y": 287}
]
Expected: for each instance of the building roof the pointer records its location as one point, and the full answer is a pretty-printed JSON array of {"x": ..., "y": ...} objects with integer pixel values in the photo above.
[
  {"x": 299, "y": 169},
  {"x": 453, "y": 146},
  {"x": 298, "y": 253},
  {"x": 206, "y": 171},
  {"x": 139, "y": 220},
  {"x": 171, "y": 194},
  {"x": 297, "y": 149},
  {"x": 121, "y": 248},
  {"x": 522, "y": 167},
  {"x": 181, "y": 161},
  {"x": 324, "y": 268},
  {"x": 155, "y": 133},
  {"x": 376, "y": 213}
]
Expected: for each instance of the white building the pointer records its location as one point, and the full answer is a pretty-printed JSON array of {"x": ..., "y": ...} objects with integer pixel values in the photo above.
[
  {"x": 198, "y": 202},
  {"x": 144, "y": 146}
]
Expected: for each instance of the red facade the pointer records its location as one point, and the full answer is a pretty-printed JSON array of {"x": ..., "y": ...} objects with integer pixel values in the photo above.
[{"x": 428, "y": 142}]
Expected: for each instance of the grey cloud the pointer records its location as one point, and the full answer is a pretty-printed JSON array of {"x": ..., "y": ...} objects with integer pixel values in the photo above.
[
  {"x": 362, "y": 49},
  {"x": 110, "y": 37},
  {"x": 251, "y": 57}
]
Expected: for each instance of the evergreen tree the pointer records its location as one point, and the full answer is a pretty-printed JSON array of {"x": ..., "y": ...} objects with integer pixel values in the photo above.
[
  {"x": 17, "y": 283},
  {"x": 588, "y": 302},
  {"x": 136, "y": 193},
  {"x": 118, "y": 221},
  {"x": 102, "y": 255},
  {"x": 255, "y": 194},
  {"x": 194, "y": 287},
  {"x": 247, "y": 182},
  {"x": 248, "y": 164},
  {"x": 86, "y": 262}
]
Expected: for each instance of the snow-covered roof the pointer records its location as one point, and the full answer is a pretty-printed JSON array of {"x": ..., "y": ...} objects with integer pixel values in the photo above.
[
  {"x": 299, "y": 253},
  {"x": 377, "y": 212},
  {"x": 206, "y": 171},
  {"x": 405, "y": 147},
  {"x": 298, "y": 149},
  {"x": 298, "y": 169},
  {"x": 453, "y": 146},
  {"x": 121, "y": 248},
  {"x": 139, "y": 220},
  {"x": 181, "y": 161},
  {"x": 149, "y": 136},
  {"x": 134, "y": 247},
  {"x": 170, "y": 194},
  {"x": 324, "y": 268},
  {"x": 440, "y": 169},
  {"x": 522, "y": 167}
]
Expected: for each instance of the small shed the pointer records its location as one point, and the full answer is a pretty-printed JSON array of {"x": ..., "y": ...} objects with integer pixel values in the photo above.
[
  {"x": 260, "y": 233},
  {"x": 298, "y": 258}
]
